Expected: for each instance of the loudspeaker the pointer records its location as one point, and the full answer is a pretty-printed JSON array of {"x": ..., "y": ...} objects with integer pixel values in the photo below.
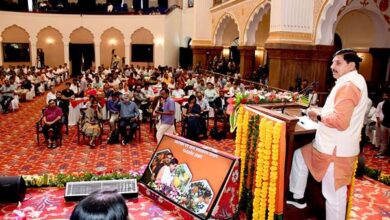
[{"x": 12, "y": 189}]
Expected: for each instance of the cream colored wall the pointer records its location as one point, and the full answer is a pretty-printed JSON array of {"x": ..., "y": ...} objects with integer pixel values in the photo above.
[
  {"x": 50, "y": 40},
  {"x": 202, "y": 17},
  {"x": 356, "y": 30},
  {"x": 187, "y": 24},
  {"x": 172, "y": 38},
  {"x": 66, "y": 24},
  {"x": 262, "y": 32},
  {"x": 142, "y": 36},
  {"x": 111, "y": 39},
  {"x": 240, "y": 12},
  {"x": 81, "y": 36},
  {"x": 15, "y": 34},
  {"x": 229, "y": 34}
]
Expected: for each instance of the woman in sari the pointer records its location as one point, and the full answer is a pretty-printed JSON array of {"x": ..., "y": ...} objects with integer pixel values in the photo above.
[
  {"x": 91, "y": 124},
  {"x": 191, "y": 113}
]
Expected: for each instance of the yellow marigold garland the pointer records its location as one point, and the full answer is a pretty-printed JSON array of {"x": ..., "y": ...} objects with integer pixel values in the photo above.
[
  {"x": 244, "y": 140},
  {"x": 259, "y": 170},
  {"x": 351, "y": 188},
  {"x": 274, "y": 170},
  {"x": 266, "y": 176}
]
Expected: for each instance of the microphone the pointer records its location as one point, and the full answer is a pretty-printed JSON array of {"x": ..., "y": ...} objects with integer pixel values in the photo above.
[{"x": 284, "y": 105}]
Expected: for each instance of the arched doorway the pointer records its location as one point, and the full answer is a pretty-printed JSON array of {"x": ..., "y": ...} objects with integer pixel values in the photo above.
[
  {"x": 15, "y": 46},
  {"x": 81, "y": 50},
  {"x": 142, "y": 47},
  {"x": 185, "y": 54},
  {"x": 363, "y": 27},
  {"x": 226, "y": 35},
  {"x": 51, "y": 45},
  {"x": 112, "y": 44}
]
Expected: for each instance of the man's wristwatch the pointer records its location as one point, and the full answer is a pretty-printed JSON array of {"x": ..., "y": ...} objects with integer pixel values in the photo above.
[{"x": 318, "y": 117}]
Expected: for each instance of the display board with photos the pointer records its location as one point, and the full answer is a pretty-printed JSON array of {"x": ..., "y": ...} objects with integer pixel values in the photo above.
[{"x": 198, "y": 179}]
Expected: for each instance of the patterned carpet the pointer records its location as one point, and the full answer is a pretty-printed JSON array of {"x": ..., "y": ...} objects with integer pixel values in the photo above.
[{"x": 21, "y": 155}]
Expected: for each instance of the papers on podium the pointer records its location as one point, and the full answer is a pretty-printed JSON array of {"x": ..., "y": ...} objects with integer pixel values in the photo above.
[{"x": 306, "y": 123}]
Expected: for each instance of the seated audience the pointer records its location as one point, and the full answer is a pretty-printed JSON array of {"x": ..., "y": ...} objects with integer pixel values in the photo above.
[
  {"x": 90, "y": 91},
  {"x": 142, "y": 101},
  {"x": 91, "y": 125},
  {"x": 52, "y": 123},
  {"x": 51, "y": 94},
  {"x": 178, "y": 92},
  {"x": 7, "y": 94},
  {"x": 113, "y": 108},
  {"x": 128, "y": 111},
  {"x": 102, "y": 205}
]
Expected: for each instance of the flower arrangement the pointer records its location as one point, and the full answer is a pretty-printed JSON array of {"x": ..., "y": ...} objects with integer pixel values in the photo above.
[
  {"x": 261, "y": 97},
  {"x": 60, "y": 180},
  {"x": 264, "y": 175}
]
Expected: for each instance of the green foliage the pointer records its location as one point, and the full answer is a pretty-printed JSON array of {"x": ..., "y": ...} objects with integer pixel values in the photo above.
[{"x": 60, "y": 180}]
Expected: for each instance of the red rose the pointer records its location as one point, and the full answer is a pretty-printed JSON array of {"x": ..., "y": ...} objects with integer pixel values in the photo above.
[{"x": 244, "y": 100}]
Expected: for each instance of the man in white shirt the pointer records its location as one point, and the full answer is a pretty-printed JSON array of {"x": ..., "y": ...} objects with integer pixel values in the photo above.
[
  {"x": 7, "y": 94},
  {"x": 382, "y": 125},
  {"x": 210, "y": 94},
  {"x": 178, "y": 92},
  {"x": 148, "y": 91},
  {"x": 51, "y": 94},
  {"x": 204, "y": 107}
]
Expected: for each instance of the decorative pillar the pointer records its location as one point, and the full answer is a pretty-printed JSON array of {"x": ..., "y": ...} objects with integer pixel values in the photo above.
[
  {"x": 1, "y": 51},
  {"x": 97, "y": 52},
  {"x": 66, "y": 50},
  {"x": 247, "y": 59},
  {"x": 33, "y": 51},
  {"x": 127, "y": 51}
]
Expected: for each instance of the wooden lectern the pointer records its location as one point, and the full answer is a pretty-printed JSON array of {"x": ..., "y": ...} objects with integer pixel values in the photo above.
[{"x": 296, "y": 137}]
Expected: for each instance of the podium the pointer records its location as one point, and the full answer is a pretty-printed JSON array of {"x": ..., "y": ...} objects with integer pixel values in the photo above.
[{"x": 296, "y": 136}]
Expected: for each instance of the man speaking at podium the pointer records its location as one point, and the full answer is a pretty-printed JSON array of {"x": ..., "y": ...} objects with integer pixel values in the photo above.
[{"x": 331, "y": 157}]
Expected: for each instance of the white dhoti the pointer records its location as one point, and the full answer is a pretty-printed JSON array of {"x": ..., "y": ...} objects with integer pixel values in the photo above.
[{"x": 336, "y": 200}]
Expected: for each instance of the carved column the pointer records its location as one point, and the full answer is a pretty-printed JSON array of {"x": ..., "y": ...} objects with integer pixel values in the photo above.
[
  {"x": 127, "y": 51},
  {"x": 247, "y": 61},
  {"x": 66, "y": 50},
  {"x": 33, "y": 52},
  {"x": 97, "y": 52}
]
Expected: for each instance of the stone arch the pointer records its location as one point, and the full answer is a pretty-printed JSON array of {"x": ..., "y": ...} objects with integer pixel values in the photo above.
[
  {"x": 142, "y": 36},
  {"x": 15, "y": 34},
  {"x": 227, "y": 21},
  {"x": 253, "y": 23},
  {"x": 334, "y": 10},
  {"x": 81, "y": 35},
  {"x": 49, "y": 39},
  {"x": 112, "y": 40},
  {"x": 374, "y": 33}
]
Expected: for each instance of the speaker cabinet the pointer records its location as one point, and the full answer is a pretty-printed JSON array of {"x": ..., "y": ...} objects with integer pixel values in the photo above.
[{"x": 12, "y": 189}]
